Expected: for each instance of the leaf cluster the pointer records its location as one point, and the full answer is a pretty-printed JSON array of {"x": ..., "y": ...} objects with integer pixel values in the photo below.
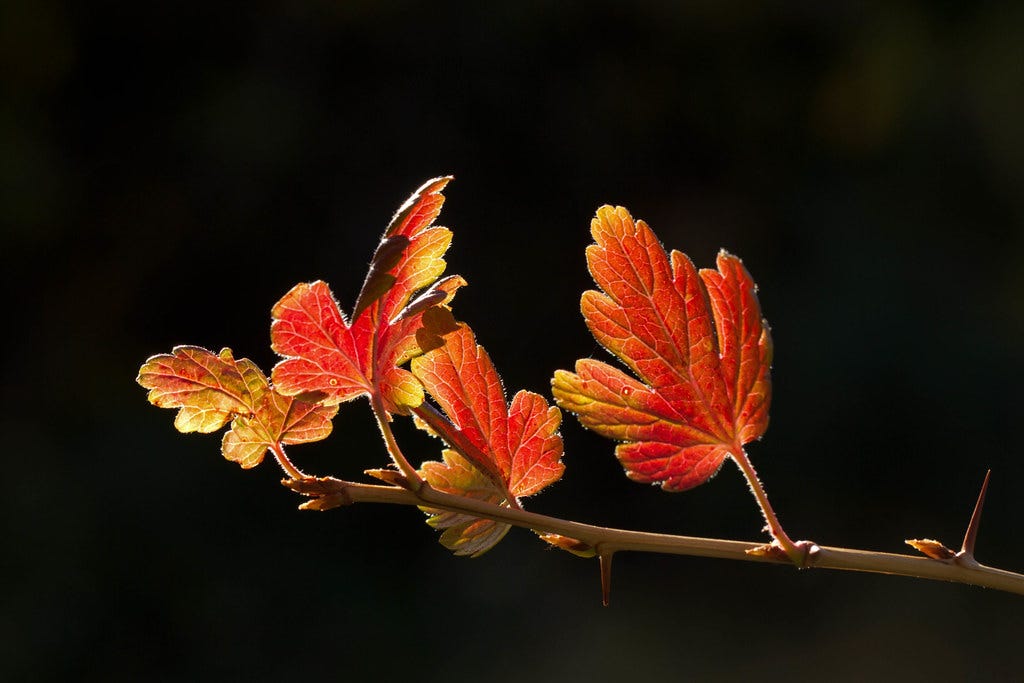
[{"x": 693, "y": 389}]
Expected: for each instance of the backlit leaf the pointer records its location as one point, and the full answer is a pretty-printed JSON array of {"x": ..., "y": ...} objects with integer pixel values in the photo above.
[
  {"x": 697, "y": 343},
  {"x": 461, "y": 533},
  {"x": 507, "y": 451},
  {"x": 326, "y": 354},
  {"x": 212, "y": 389}
]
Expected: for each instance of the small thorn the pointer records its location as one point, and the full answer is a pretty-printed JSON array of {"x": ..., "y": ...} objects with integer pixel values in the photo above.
[
  {"x": 972, "y": 528},
  {"x": 606, "y": 578}
]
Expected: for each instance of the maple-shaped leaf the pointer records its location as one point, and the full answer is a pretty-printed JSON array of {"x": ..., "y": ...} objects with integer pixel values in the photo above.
[
  {"x": 697, "y": 343},
  {"x": 336, "y": 360},
  {"x": 507, "y": 451},
  {"x": 212, "y": 389}
]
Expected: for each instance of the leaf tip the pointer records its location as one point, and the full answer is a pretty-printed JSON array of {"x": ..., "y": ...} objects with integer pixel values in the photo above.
[{"x": 427, "y": 196}]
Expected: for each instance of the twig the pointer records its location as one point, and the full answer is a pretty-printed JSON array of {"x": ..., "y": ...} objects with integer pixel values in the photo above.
[{"x": 611, "y": 540}]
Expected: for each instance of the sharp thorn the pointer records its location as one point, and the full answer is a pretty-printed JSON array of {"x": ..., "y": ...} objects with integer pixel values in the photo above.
[
  {"x": 606, "y": 577},
  {"x": 972, "y": 528}
]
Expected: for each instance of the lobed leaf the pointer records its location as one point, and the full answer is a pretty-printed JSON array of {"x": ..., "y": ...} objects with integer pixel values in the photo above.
[
  {"x": 696, "y": 342},
  {"x": 338, "y": 360},
  {"x": 463, "y": 534},
  {"x": 507, "y": 450},
  {"x": 212, "y": 389}
]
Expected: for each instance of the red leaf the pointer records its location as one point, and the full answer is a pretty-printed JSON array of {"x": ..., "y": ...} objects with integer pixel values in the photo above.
[
  {"x": 514, "y": 448},
  {"x": 696, "y": 341},
  {"x": 211, "y": 389},
  {"x": 337, "y": 360}
]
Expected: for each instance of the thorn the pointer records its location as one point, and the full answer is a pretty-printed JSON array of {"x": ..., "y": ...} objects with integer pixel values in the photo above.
[
  {"x": 606, "y": 577},
  {"x": 972, "y": 528}
]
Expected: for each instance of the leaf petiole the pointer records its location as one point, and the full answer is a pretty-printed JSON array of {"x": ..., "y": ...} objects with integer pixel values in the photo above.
[
  {"x": 798, "y": 555},
  {"x": 285, "y": 462},
  {"x": 415, "y": 481}
]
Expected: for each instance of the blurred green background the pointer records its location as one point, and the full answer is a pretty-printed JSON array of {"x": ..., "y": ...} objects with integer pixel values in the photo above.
[{"x": 169, "y": 170}]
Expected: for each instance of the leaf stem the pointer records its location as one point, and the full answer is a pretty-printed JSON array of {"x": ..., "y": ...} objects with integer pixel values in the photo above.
[
  {"x": 286, "y": 464},
  {"x": 609, "y": 541},
  {"x": 795, "y": 554},
  {"x": 411, "y": 475}
]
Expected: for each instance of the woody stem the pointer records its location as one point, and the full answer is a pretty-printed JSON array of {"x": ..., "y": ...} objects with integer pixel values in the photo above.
[{"x": 608, "y": 541}]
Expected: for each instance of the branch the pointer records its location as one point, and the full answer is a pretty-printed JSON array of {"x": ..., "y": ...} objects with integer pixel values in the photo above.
[{"x": 328, "y": 492}]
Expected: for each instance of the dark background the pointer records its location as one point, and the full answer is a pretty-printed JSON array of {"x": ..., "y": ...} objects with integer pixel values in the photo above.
[{"x": 167, "y": 173}]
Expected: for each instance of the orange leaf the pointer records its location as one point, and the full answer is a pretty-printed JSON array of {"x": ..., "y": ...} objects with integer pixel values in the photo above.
[
  {"x": 337, "y": 360},
  {"x": 463, "y": 534},
  {"x": 697, "y": 343},
  {"x": 507, "y": 450},
  {"x": 211, "y": 389}
]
